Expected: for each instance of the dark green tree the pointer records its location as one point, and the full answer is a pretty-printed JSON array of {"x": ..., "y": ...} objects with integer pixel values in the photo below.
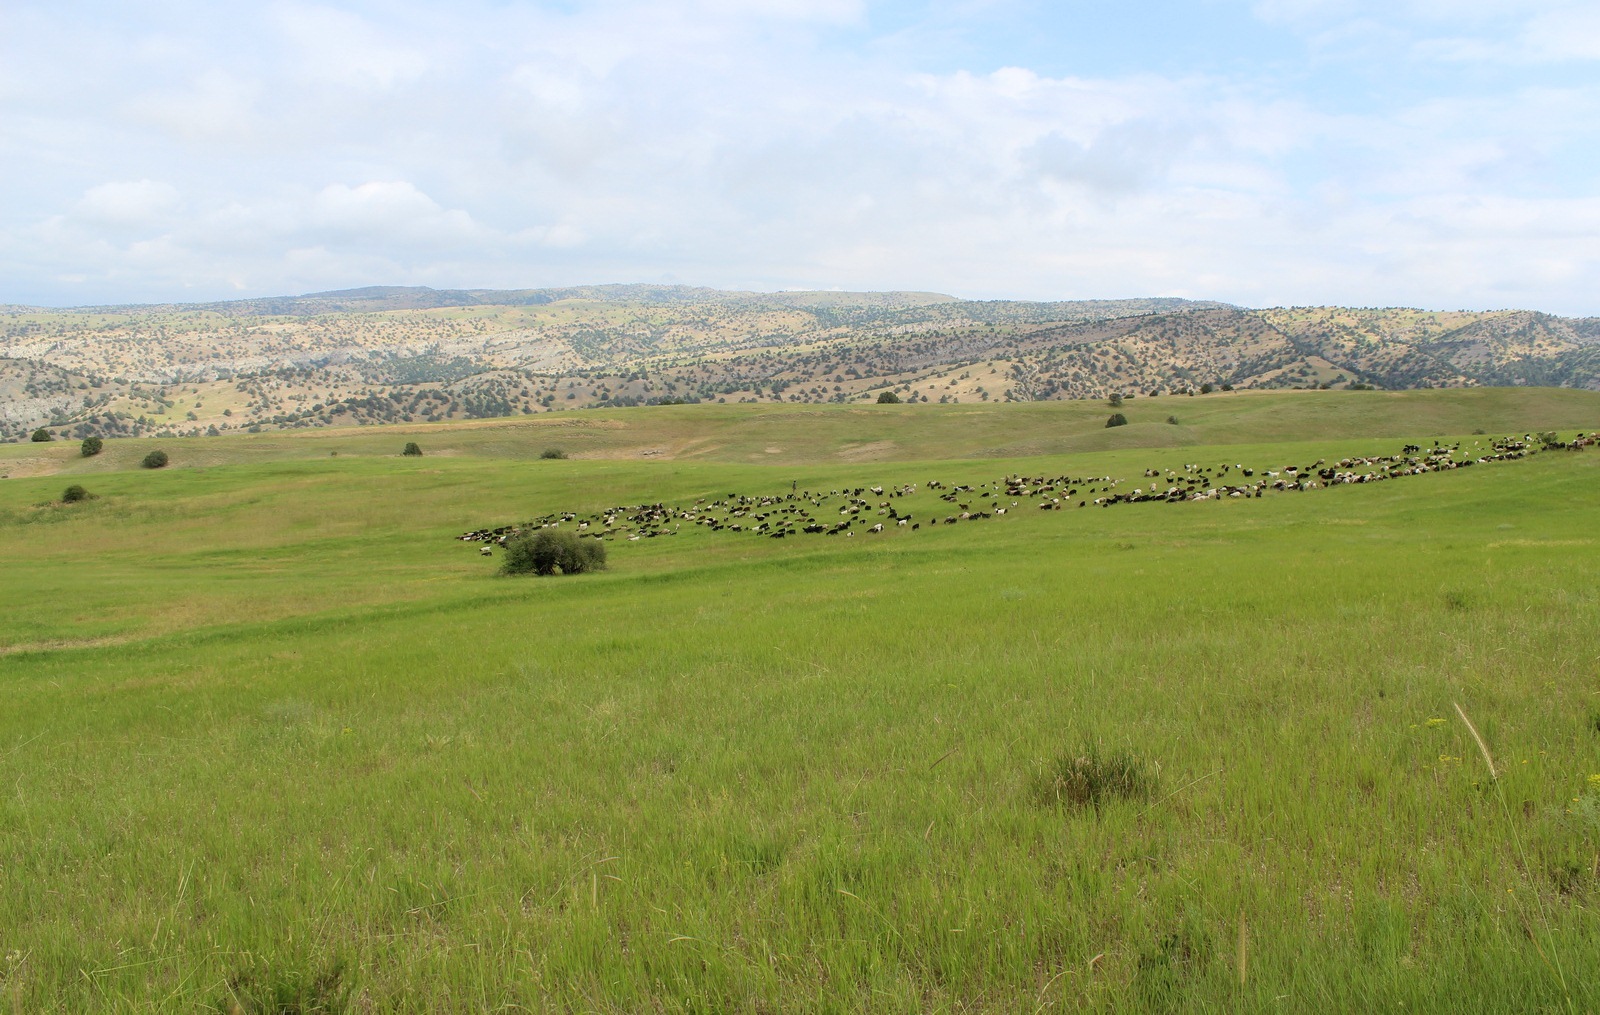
[
  {"x": 91, "y": 446},
  {"x": 41, "y": 435},
  {"x": 1117, "y": 419},
  {"x": 552, "y": 551},
  {"x": 155, "y": 460}
]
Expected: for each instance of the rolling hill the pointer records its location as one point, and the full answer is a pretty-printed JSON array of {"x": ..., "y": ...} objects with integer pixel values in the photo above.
[{"x": 411, "y": 354}]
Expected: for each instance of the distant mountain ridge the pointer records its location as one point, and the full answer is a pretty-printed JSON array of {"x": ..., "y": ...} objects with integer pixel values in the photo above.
[
  {"x": 378, "y": 298},
  {"x": 405, "y": 353}
]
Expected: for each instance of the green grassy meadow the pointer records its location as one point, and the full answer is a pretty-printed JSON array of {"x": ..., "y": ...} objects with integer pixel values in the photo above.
[{"x": 273, "y": 740}]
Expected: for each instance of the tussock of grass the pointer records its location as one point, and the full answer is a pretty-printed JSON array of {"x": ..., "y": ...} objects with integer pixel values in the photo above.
[
  {"x": 1094, "y": 777},
  {"x": 265, "y": 990},
  {"x": 1165, "y": 970}
]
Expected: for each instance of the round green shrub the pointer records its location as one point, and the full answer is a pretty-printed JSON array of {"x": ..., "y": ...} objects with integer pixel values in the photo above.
[
  {"x": 73, "y": 494},
  {"x": 552, "y": 551},
  {"x": 41, "y": 435},
  {"x": 412, "y": 450},
  {"x": 552, "y": 453},
  {"x": 1117, "y": 419},
  {"x": 155, "y": 460},
  {"x": 888, "y": 398},
  {"x": 1172, "y": 420},
  {"x": 91, "y": 446}
]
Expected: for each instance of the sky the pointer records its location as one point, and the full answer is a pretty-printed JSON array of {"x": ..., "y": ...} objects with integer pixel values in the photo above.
[{"x": 1434, "y": 153}]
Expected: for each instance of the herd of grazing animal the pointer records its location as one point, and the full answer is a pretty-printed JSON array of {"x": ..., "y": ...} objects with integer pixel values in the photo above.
[{"x": 872, "y": 510}]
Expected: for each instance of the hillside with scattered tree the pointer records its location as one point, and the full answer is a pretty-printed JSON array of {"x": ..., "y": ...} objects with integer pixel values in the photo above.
[{"x": 407, "y": 354}]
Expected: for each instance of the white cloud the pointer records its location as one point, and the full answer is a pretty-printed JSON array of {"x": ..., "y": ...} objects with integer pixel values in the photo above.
[
  {"x": 1566, "y": 33},
  {"x": 388, "y": 210},
  {"x": 825, "y": 11},
  {"x": 131, "y": 204},
  {"x": 730, "y": 143},
  {"x": 337, "y": 46},
  {"x": 216, "y": 105},
  {"x": 1504, "y": 31}
]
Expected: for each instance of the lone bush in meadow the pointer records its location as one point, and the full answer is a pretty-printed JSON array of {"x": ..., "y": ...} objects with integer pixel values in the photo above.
[
  {"x": 551, "y": 551},
  {"x": 1117, "y": 419},
  {"x": 888, "y": 398},
  {"x": 74, "y": 494},
  {"x": 41, "y": 436},
  {"x": 1172, "y": 420},
  {"x": 552, "y": 453},
  {"x": 91, "y": 446},
  {"x": 1116, "y": 399},
  {"x": 155, "y": 460},
  {"x": 412, "y": 450}
]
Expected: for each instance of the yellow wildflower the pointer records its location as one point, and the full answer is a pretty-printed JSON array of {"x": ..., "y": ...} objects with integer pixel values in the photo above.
[
  {"x": 1435, "y": 722},
  {"x": 1594, "y": 782}
]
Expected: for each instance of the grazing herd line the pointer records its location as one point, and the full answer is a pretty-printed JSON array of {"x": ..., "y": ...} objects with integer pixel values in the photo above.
[{"x": 873, "y": 510}]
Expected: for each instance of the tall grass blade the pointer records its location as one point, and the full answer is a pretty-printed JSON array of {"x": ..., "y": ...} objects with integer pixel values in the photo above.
[{"x": 1488, "y": 759}]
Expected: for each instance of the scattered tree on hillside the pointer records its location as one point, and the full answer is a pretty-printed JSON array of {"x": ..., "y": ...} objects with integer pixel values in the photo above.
[
  {"x": 74, "y": 493},
  {"x": 412, "y": 450},
  {"x": 1117, "y": 419},
  {"x": 41, "y": 435},
  {"x": 91, "y": 446},
  {"x": 155, "y": 460},
  {"x": 888, "y": 398}
]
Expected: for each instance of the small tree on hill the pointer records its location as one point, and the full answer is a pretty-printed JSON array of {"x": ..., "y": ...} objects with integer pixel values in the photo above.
[
  {"x": 549, "y": 551},
  {"x": 155, "y": 460},
  {"x": 888, "y": 398},
  {"x": 552, "y": 453},
  {"x": 1116, "y": 399},
  {"x": 1117, "y": 419},
  {"x": 74, "y": 493},
  {"x": 412, "y": 450},
  {"x": 91, "y": 446},
  {"x": 41, "y": 435}
]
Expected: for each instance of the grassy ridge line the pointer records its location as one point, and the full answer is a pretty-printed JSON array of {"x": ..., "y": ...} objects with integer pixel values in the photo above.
[{"x": 799, "y": 434}]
